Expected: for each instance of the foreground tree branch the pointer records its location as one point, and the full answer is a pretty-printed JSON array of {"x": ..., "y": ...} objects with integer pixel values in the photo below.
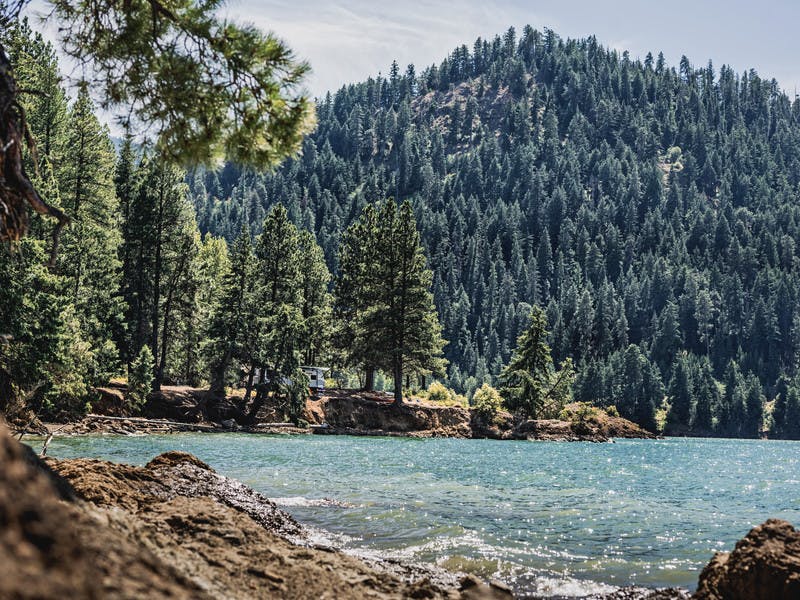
[
  {"x": 17, "y": 193},
  {"x": 207, "y": 89}
]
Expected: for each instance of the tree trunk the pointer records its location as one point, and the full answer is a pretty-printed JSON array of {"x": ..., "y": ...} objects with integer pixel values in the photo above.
[
  {"x": 261, "y": 377},
  {"x": 157, "y": 287},
  {"x": 249, "y": 385},
  {"x": 218, "y": 374},
  {"x": 369, "y": 380},
  {"x": 263, "y": 393},
  {"x": 16, "y": 190},
  {"x": 398, "y": 381}
]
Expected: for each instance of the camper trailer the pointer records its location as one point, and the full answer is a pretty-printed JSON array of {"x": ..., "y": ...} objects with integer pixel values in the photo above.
[{"x": 316, "y": 378}]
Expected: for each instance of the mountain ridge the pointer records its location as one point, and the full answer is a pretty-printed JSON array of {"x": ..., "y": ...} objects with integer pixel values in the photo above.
[{"x": 649, "y": 208}]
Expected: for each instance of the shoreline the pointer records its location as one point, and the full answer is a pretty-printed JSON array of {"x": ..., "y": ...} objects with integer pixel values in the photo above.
[
  {"x": 341, "y": 412},
  {"x": 178, "y": 491},
  {"x": 178, "y": 504}
]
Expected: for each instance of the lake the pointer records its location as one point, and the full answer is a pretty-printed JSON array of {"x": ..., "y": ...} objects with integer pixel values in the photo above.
[{"x": 548, "y": 518}]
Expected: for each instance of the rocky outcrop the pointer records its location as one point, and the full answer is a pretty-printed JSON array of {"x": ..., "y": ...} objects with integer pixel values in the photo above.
[
  {"x": 765, "y": 565},
  {"x": 173, "y": 529},
  {"x": 365, "y": 414},
  {"x": 374, "y": 414}
]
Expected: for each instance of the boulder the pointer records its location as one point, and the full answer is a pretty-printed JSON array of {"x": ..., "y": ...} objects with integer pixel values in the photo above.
[{"x": 765, "y": 565}]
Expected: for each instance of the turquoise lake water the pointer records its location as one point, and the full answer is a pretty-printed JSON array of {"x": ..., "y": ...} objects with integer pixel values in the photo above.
[{"x": 548, "y": 518}]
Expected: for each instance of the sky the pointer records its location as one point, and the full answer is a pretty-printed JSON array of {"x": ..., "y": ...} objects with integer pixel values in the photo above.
[{"x": 348, "y": 41}]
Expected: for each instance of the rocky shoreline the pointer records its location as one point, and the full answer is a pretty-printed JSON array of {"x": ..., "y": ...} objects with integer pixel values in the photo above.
[
  {"x": 176, "y": 529},
  {"x": 84, "y": 528}
]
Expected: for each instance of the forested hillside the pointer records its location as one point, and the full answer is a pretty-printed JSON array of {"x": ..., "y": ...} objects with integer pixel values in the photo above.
[{"x": 650, "y": 209}]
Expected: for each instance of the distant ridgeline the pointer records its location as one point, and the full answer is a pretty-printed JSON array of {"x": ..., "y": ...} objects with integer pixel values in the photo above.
[{"x": 652, "y": 210}]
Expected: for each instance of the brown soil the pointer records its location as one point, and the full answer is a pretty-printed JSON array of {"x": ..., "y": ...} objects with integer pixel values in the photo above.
[
  {"x": 765, "y": 565},
  {"x": 180, "y": 408},
  {"x": 375, "y": 414}
]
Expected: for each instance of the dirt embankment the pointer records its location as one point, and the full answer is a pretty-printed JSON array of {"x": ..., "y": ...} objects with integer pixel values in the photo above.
[
  {"x": 177, "y": 408},
  {"x": 172, "y": 529},
  {"x": 374, "y": 414}
]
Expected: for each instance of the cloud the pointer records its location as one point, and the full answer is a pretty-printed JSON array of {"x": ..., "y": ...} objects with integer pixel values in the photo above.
[{"x": 348, "y": 41}]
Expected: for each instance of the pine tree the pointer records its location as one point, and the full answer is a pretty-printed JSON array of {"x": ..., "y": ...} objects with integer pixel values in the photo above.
[
  {"x": 232, "y": 322},
  {"x": 681, "y": 396},
  {"x": 279, "y": 300},
  {"x": 88, "y": 255},
  {"x": 316, "y": 310},
  {"x": 531, "y": 384},
  {"x": 160, "y": 246},
  {"x": 401, "y": 316},
  {"x": 707, "y": 395}
]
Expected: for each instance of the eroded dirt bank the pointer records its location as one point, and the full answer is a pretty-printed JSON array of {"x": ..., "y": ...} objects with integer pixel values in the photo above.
[
  {"x": 342, "y": 412},
  {"x": 373, "y": 414}
]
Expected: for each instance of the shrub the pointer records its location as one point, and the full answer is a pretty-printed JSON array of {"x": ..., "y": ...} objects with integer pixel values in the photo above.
[
  {"x": 612, "y": 411},
  {"x": 579, "y": 412},
  {"x": 140, "y": 378},
  {"x": 437, "y": 392},
  {"x": 441, "y": 394},
  {"x": 487, "y": 401}
]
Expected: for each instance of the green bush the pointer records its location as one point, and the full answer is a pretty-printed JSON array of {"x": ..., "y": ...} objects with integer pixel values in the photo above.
[
  {"x": 487, "y": 401},
  {"x": 579, "y": 412},
  {"x": 140, "y": 378},
  {"x": 441, "y": 394},
  {"x": 612, "y": 411},
  {"x": 437, "y": 392}
]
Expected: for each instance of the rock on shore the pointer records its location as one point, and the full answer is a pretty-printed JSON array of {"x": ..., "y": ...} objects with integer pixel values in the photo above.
[{"x": 765, "y": 565}]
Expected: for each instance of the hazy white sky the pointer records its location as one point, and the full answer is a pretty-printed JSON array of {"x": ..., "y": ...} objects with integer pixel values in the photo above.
[{"x": 346, "y": 41}]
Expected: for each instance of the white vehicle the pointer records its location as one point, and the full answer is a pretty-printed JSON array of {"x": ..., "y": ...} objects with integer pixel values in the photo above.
[{"x": 316, "y": 377}]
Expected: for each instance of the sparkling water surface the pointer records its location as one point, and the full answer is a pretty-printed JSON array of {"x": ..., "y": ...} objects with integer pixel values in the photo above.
[{"x": 548, "y": 518}]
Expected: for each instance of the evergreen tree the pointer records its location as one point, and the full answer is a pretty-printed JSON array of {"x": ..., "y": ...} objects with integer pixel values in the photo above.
[
  {"x": 316, "y": 310},
  {"x": 401, "y": 316},
  {"x": 88, "y": 255},
  {"x": 531, "y": 385},
  {"x": 681, "y": 397},
  {"x": 707, "y": 395},
  {"x": 279, "y": 299},
  {"x": 232, "y": 324}
]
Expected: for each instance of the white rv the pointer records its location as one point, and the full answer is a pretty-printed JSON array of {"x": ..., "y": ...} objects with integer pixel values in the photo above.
[{"x": 316, "y": 377}]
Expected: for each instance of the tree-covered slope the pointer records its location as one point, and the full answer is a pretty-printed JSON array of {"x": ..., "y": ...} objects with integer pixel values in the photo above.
[{"x": 651, "y": 210}]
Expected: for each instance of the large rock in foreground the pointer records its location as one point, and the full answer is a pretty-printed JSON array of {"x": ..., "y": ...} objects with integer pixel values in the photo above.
[{"x": 765, "y": 565}]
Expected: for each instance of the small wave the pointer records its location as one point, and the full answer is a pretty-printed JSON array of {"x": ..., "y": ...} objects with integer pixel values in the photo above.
[
  {"x": 562, "y": 587},
  {"x": 301, "y": 501}
]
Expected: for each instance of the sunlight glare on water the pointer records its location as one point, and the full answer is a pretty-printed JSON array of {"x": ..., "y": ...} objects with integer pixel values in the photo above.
[{"x": 554, "y": 518}]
